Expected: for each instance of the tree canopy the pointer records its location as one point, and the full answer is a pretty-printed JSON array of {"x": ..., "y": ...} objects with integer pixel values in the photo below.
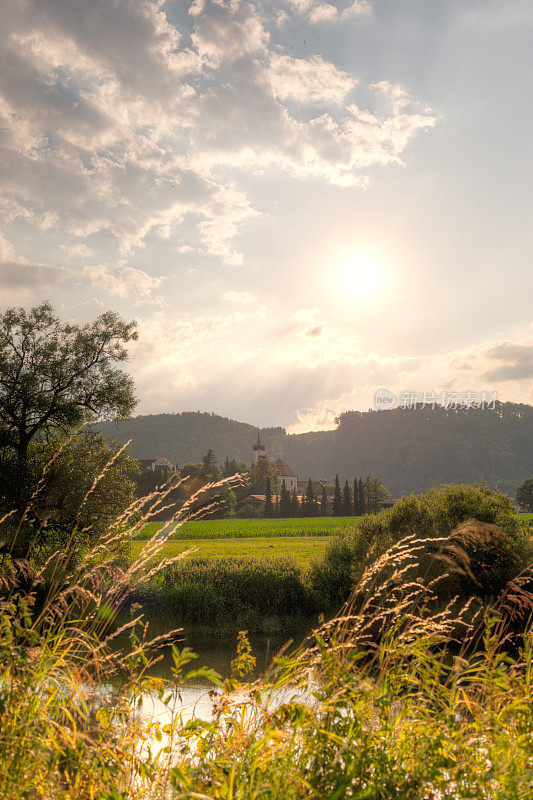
[{"x": 56, "y": 376}]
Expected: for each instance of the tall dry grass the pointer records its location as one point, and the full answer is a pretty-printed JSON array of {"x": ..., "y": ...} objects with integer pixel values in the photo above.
[
  {"x": 404, "y": 694},
  {"x": 61, "y": 733}
]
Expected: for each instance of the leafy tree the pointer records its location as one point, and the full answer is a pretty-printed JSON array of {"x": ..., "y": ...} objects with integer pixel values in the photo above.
[
  {"x": 347, "y": 504},
  {"x": 374, "y": 492},
  {"x": 260, "y": 472},
  {"x": 191, "y": 471},
  {"x": 337, "y": 499},
  {"x": 356, "y": 501},
  {"x": 269, "y": 508},
  {"x": 524, "y": 495},
  {"x": 231, "y": 467},
  {"x": 81, "y": 484},
  {"x": 324, "y": 504},
  {"x": 56, "y": 376}
]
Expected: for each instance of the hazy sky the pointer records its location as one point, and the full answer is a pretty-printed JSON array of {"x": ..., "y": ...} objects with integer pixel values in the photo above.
[{"x": 300, "y": 201}]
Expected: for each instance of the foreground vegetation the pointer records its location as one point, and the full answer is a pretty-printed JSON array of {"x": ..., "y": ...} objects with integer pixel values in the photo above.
[{"x": 398, "y": 696}]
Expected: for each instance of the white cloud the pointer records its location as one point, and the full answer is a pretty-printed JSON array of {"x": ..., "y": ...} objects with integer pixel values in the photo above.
[
  {"x": 113, "y": 122},
  {"x": 313, "y": 80},
  {"x": 227, "y": 32},
  {"x": 79, "y": 250},
  {"x": 7, "y": 251},
  {"x": 239, "y": 298},
  {"x": 125, "y": 282},
  {"x": 317, "y": 11}
]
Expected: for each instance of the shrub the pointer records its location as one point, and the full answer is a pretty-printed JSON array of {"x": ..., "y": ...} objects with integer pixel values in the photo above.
[
  {"x": 432, "y": 514},
  {"x": 224, "y": 591}
]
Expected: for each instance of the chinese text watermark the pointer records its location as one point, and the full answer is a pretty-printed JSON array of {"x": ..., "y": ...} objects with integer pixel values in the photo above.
[{"x": 448, "y": 400}]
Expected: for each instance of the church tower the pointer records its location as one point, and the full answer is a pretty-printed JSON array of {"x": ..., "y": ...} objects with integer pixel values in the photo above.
[{"x": 259, "y": 449}]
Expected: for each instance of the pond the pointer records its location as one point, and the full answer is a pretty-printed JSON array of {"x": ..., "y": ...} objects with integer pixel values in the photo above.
[{"x": 216, "y": 651}]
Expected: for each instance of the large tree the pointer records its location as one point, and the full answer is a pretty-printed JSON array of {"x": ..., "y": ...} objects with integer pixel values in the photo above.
[{"x": 56, "y": 376}]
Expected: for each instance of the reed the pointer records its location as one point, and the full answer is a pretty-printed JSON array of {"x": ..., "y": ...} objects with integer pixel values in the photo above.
[{"x": 406, "y": 693}]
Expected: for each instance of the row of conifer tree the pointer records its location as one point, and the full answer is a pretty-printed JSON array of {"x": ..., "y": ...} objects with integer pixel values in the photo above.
[{"x": 361, "y": 497}]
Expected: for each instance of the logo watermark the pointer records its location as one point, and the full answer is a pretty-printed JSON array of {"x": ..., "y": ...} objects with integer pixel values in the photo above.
[
  {"x": 384, "y": 400},
  {"x": 449, "y": 400}
]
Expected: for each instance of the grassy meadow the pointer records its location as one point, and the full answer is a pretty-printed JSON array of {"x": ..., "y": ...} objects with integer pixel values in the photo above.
[
  {"x": 302, "y": 548},
  {"x": 253, "y": 528},
  {"x": 304, "y": 540}
]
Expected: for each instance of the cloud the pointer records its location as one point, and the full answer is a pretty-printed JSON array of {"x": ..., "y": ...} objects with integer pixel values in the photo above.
[
  {"x": 517, "y": 362},
  {"x": 239, "y": 298},
  {"x": 22, "y": 279},
  {"x": 317, "y": 11},
  {"x": 79, "y": 250},
  {"x": 7, "y": 251},
  {"x": 225, "y": 33},
  {"x": 308, "y": 81},
  {"x": 114, "y": 123},
  {"x": 125, "y": 282}
]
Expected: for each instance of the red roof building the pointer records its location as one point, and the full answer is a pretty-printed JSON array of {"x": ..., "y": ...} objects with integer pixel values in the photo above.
[{"x": 287, "y": 475}]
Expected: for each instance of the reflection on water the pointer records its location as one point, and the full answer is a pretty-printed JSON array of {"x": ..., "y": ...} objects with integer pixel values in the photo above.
[
  {"x": 217, "y": 650},
  {"x": 193, "y": 701}
]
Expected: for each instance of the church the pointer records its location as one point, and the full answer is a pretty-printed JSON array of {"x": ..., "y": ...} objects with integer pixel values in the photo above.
[{"x": 286, "y": 474}]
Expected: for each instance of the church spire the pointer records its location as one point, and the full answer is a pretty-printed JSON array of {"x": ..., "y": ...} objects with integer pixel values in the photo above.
[{"x": 258, "y": 449}]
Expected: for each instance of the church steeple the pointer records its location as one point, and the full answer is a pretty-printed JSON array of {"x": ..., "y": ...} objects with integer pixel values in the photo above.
[{"x": 258, "y": 449}]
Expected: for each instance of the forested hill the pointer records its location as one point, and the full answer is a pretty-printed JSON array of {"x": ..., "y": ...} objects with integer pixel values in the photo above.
[
  {"x": 189, "y": 435},
  {"x": 409, "y": 449}
]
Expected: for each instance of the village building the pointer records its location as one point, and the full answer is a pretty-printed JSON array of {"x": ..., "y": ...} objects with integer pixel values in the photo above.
[
  {"x": 161, "y": 465},
  {"x": 286, "y": 473}
]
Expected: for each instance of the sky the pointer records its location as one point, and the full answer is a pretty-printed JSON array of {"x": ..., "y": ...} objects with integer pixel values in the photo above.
[{"x": 301, "y": 202}]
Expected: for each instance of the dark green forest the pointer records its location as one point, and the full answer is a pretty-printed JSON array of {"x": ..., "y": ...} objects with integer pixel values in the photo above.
[{"x": 411, "y": 450}]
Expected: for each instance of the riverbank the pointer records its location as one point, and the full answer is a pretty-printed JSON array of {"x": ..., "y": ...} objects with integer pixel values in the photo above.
[
  {"x": 274, "y": 584},
  {"x": 266, "y": 595}
]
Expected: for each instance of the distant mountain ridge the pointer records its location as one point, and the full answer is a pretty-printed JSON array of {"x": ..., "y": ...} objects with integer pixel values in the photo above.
[{"x": 411, "y": 450}]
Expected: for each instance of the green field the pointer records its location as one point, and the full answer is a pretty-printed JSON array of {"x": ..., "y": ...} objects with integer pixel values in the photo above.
[
  {"x": 254, "y": 528},
  {"x": 302, "y": 548},
  {"x": 303, "y": 539}
]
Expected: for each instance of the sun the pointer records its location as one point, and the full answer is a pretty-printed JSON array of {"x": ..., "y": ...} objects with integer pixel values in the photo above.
[{"x": 360, "y": 274}]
